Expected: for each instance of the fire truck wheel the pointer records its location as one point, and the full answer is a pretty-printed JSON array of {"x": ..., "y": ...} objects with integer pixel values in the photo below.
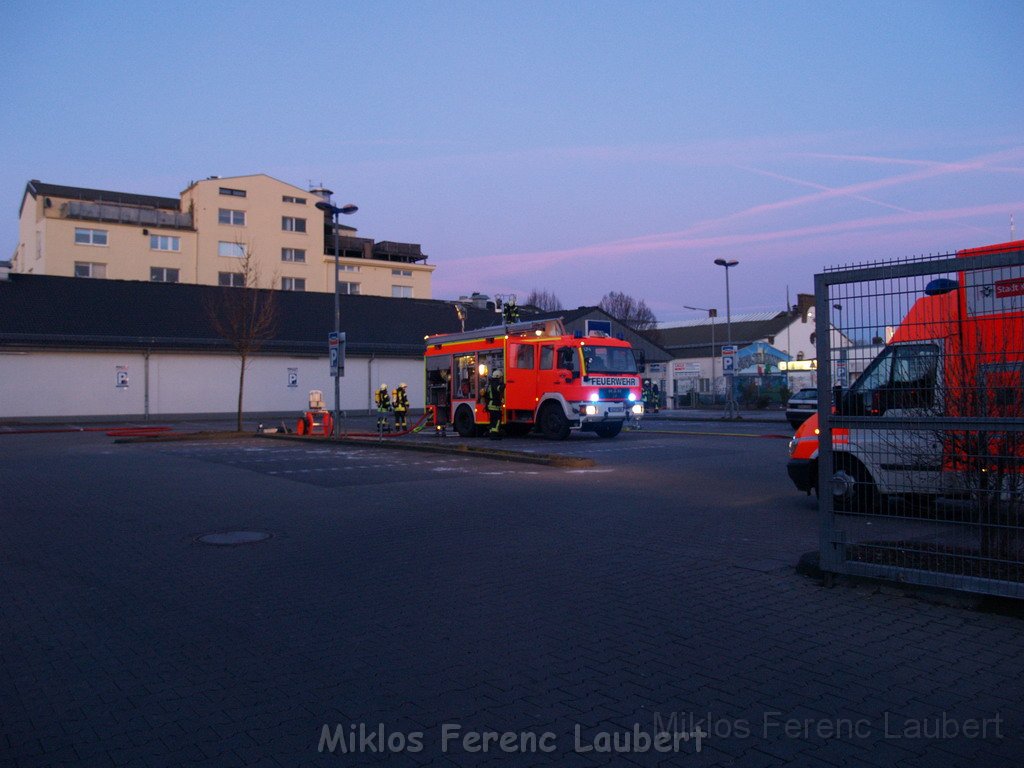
[
  {"x": 608, "y": 430},
  {"x": 853, "y": 488},
  {"x": 553, "y": 424},
  {"x": 465, "y": 425}
]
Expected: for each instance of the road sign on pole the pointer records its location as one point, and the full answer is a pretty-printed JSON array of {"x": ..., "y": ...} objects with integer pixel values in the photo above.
[
  {"x": 729, "y": 359},
  {"x": 332, "y": 350},
  {"x": 336, "y": 353}
]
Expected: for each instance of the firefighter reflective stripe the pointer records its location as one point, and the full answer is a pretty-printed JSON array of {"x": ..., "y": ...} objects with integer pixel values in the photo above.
[{"x": 494, "y": 396}]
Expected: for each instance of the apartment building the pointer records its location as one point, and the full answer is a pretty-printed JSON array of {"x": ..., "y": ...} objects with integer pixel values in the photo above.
[{"x": 201, "y": 236}]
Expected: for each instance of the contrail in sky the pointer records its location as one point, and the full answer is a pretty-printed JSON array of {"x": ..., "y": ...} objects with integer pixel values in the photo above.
[
  {"x": 687, "y": 238},
  {"x": 510, "y": 264}
]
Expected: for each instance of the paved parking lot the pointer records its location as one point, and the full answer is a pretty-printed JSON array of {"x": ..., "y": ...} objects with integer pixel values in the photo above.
[{"x": 410, "y": 609}]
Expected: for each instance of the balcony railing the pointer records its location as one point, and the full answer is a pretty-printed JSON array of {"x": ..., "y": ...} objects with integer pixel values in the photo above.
[
  {"x": 351, "y": 247},
  {"x": 126, "y": 214},
  {"x": 390, "y": 251}
]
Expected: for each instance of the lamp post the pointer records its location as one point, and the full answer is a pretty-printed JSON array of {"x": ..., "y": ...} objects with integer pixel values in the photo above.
[
  {"x": 334, "y": 212},
  {"x": 731, "y": 411},
  {"x": 712, "y": 313}
]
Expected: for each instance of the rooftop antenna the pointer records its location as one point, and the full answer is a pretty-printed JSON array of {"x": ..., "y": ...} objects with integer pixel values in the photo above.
[{"x": 461, "y": 312}]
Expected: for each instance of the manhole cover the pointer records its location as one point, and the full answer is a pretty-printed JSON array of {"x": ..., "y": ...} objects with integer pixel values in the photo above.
[{"x": 229, "y": 538}]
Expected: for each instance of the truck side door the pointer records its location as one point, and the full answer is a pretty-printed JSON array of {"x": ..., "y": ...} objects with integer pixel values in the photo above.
[{"x": 521, "y": 380}]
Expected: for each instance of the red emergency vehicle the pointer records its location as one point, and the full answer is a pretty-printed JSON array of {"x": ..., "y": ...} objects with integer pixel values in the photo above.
[
  {"x": 554, "y": 382},
  {"x": 959, "y": 352}
]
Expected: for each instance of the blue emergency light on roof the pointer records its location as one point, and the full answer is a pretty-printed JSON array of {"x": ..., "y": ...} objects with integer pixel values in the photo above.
[{"x": 577, "y": 334}]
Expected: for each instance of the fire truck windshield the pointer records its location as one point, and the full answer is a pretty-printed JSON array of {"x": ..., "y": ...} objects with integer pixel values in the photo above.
[{"x": 609, "y": 359}]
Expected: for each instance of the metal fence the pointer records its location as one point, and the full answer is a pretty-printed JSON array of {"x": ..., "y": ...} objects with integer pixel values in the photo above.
[{"x": 921, "y": 453}]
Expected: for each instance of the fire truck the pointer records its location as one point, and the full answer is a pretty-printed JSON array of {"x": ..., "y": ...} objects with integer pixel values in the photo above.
[
  {"x": 958, "y": 352},
  {"x": 555, "y": 382}
]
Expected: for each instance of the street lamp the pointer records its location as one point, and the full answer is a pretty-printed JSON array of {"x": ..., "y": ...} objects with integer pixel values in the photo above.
[
  {"x": 712, "y": 313},
  {"x": 334, "y": 212},
  {"x": 731, "y": 412}
]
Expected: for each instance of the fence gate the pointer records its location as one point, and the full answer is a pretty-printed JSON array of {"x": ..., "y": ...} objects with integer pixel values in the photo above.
[{"x": 921, "y": 459}]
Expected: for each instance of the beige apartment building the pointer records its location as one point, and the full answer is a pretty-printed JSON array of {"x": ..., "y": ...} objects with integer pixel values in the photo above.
[{"x": 201, "y": 237}]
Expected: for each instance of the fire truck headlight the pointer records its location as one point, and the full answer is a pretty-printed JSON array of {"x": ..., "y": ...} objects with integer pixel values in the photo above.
[
  {"x": 632, "y": 397},
  {"x": 593, "y": 397},
  {"x": 638, "y": 409},
  {"x": 590, "y": 410}
]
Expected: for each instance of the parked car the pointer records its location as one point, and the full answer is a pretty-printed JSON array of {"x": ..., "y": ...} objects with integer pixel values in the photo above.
[{"x": 801, "y": 405}]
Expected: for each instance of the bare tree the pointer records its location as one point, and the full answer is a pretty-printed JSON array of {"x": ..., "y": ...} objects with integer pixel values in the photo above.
[
  {"x": 245, "y": 315},
  {"x": 982, "y": 469},
  {"x": 633, "y": 313},
  {"x": 988, "y": 464},
  {"x": 544, "y": 300}
]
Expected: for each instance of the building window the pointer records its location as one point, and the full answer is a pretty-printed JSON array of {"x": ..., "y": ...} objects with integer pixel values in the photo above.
[
  {"x": 350, "y": 288},
  {"x": 232, "y": 217},
  {"x": 293, "y": 283},
  {"x": 234, "y": 250},
  {"x": 401, "y": 291},
  {"x": 401, "y": 272},
  {"x": 290, "y": 199},
  {"x": 164, "y": 243},
  {"x": 232, "y": 192},
  {"x": 348, "y": 268},
  {"x": 90, "y": 269},
  {"x": 293, "y": 254},
  {"x": 231, "y": 279},
  {"x": 163, "y": 275},
  {"x": 292, "y": 224},
  {"x": 90, "y": 236}
]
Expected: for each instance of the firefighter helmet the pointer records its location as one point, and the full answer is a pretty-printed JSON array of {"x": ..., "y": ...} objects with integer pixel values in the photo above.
[
  {"x": 403, "y": 385},
  {"x": 383, "y": 387},
  {"x": 496, "y": 373}
]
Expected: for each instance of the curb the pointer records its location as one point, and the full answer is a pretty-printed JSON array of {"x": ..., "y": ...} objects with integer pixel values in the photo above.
[
  {"x": 178, "y": 437},
  {"x": 546, "y": 459}
]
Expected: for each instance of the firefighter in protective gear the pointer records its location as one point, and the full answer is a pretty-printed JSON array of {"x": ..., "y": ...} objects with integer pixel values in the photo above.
[
  {"x": 401, "y": 404},
  {"x": 383, "y": 399},
  {"x": 510, "y": 311},
  {"x": 494, "y": 400},
  {"x": 650, "y": 403}
]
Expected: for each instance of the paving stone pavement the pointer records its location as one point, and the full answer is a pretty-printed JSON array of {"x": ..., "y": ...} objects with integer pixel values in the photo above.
[{"x": 437, "y": 598}]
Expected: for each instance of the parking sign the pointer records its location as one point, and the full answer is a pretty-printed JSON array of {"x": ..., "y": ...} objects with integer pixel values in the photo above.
[{"x": 336, "y": 353}]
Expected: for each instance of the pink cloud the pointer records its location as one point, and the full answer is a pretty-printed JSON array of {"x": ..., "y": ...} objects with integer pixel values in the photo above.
[{"x": 515, "y": 263}]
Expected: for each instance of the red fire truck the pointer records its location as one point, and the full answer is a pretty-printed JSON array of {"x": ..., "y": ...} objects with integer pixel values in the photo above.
[
  {"x": 958, "y": 352},
  {"x": 554, "y": 382}
]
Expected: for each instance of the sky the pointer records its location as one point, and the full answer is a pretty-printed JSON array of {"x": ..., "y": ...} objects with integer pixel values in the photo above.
[{"x": 575, "y": 147}]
